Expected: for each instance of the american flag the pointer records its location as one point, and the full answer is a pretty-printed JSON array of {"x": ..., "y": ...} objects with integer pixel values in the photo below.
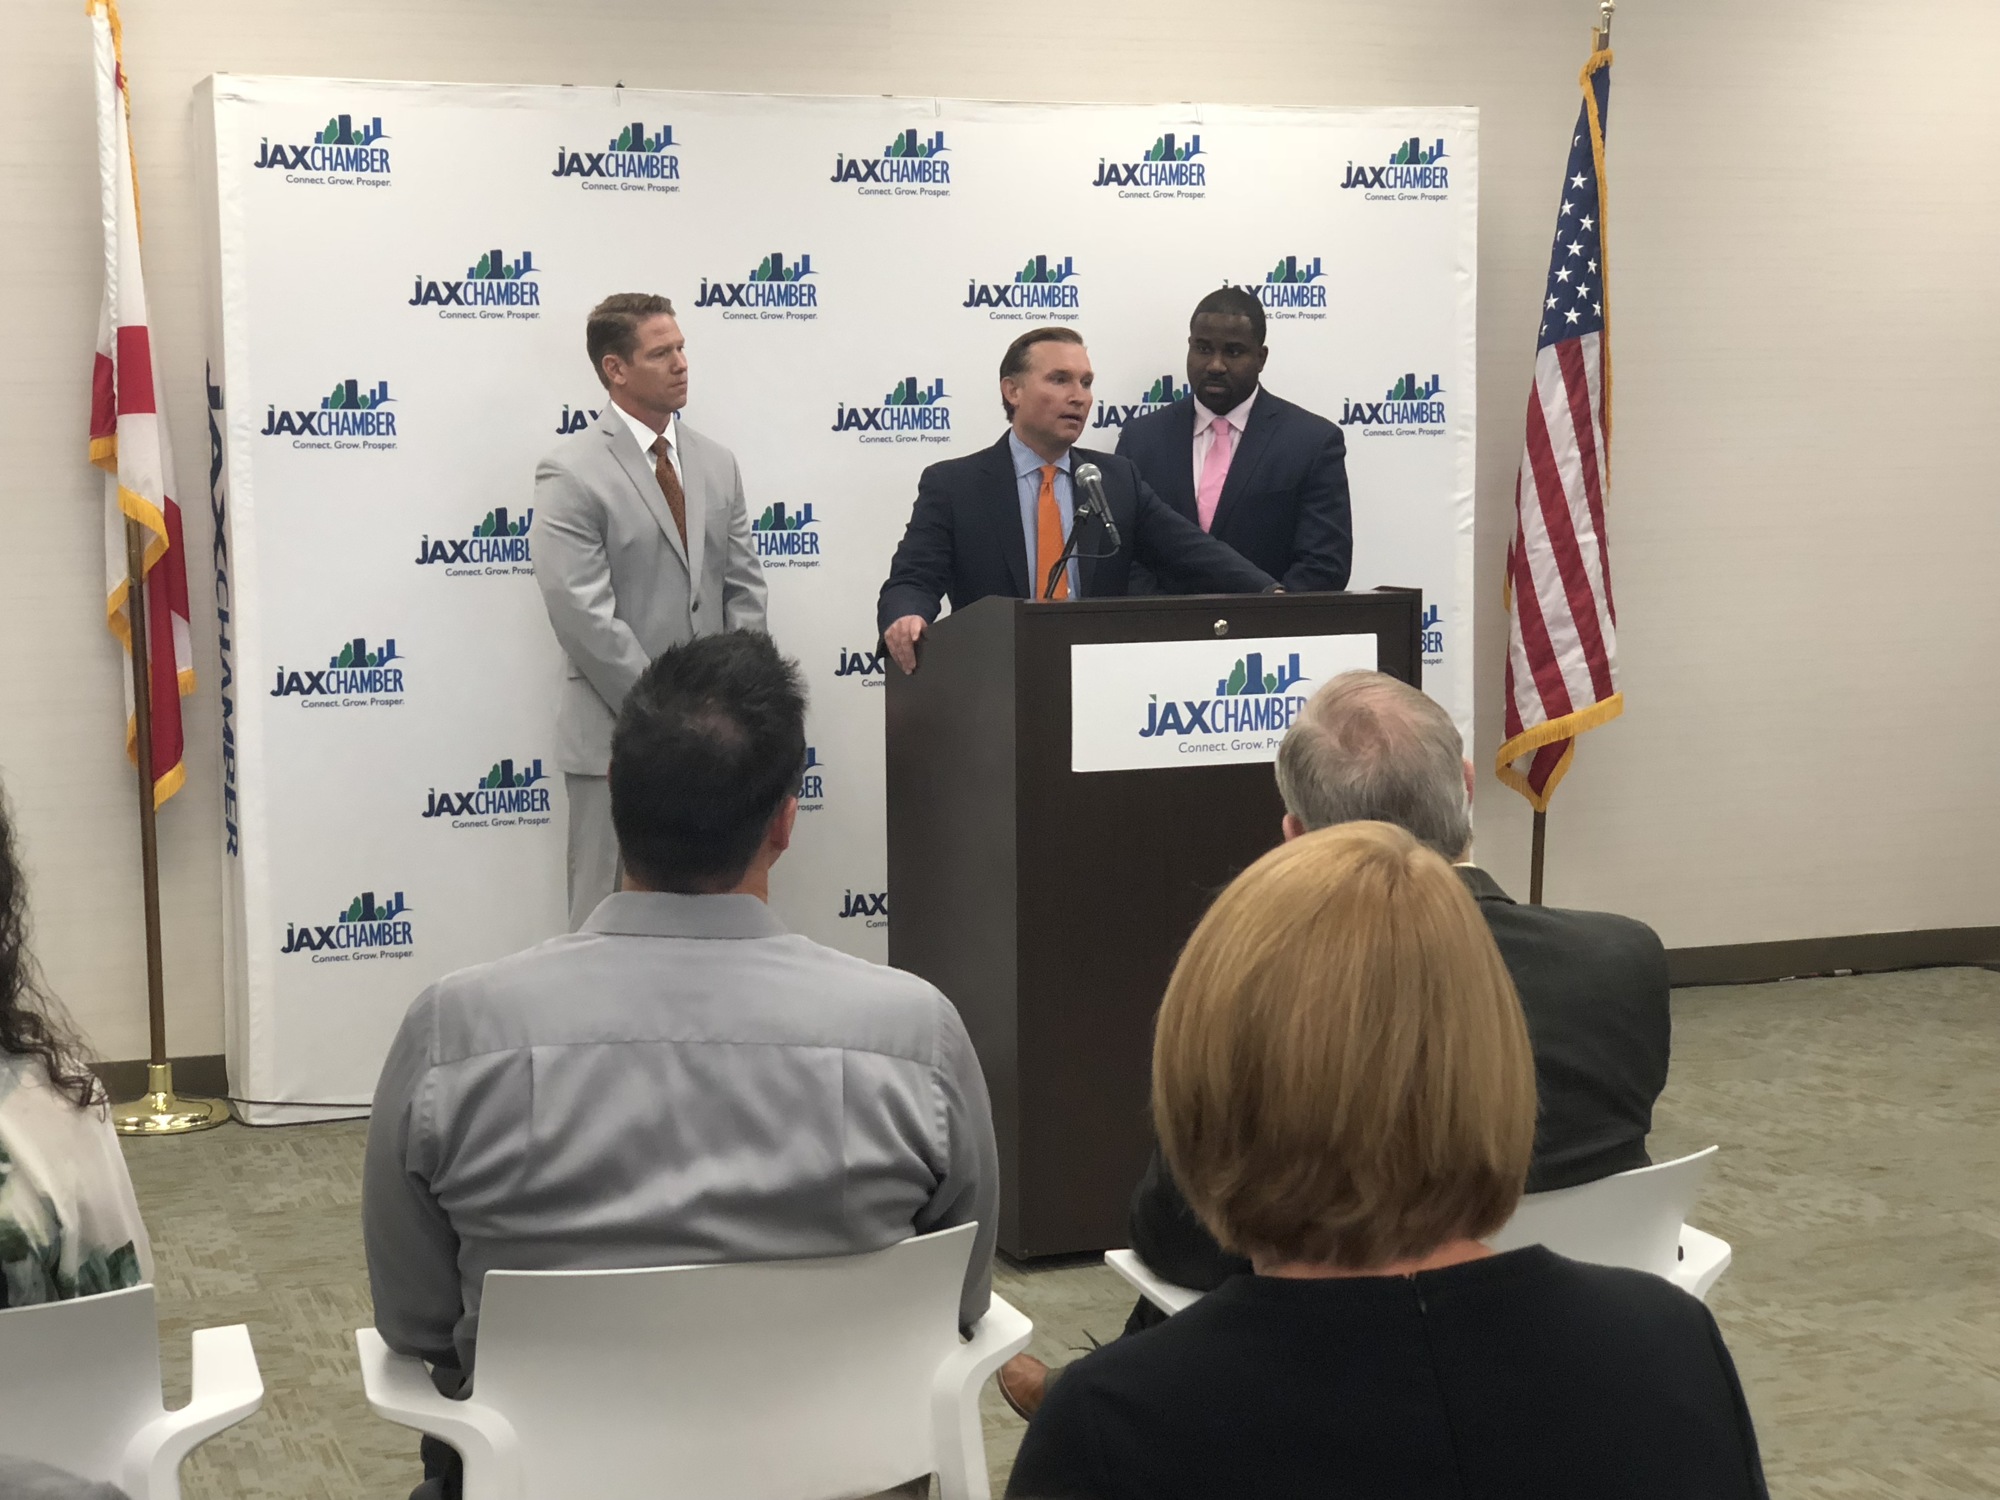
[
  {"x": 1562, "y": 647},
  {"x": 128, "y": 434}
]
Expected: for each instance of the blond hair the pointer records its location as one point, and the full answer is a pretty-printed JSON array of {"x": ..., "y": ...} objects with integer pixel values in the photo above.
[{"x": 1341, "y": 1070}]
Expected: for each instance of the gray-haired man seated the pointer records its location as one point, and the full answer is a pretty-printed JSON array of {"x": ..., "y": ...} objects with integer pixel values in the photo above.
[
  {"x": 1592, "y": 985},
  {"x": 683, "y": 1081}
]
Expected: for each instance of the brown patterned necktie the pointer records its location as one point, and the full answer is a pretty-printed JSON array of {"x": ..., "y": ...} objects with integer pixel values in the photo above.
[{"x": 670, "y": 486}]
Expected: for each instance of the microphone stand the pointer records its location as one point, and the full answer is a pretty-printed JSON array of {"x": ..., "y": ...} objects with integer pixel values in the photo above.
[{"x": 1078, "y": 510}]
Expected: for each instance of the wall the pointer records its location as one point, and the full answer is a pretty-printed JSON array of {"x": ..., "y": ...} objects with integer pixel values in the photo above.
[{"x": 1804, "y": 329}]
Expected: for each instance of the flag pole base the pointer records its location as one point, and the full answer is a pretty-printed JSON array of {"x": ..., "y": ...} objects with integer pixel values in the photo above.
[{"x": 160, "y": 1111}]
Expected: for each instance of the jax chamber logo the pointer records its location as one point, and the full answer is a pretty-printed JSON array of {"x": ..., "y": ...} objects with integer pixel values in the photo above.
[
  {"x": 1410, "y": 408},
  {"x": 352, "y": 416},
  {"x": 1430, "y": 636},
  {"x": 1044, "y": 289},
  {"x": 1414, "y": 172},
  {"x": 909, "y": 413},
  {"x": 632, "y": 162},
  {"x": 340, "y": 154},
  {"x": 866, "y": 667},
  {"x": 492, "y": 287},
  {"x": 1163, "y": 392},
  {"x": 812, "y": 783},
  {"x": 366, "y": 928},
  {"x": 355, "y": 676},
  {"x": 1167, "y": 170},
  {"x": 872, "y": 907},
  {"x": 507, "y": 796},
  {"x": 576, "y": 418},
  {"x": 775, "y": 289},
  {"x": 1294, "y": 288},
  {"x": 910, "y": 166},
  {"x": 784, "y": 539},
  {"x": 1250, "y": 700},
  {"x": 497, "y": 545}
]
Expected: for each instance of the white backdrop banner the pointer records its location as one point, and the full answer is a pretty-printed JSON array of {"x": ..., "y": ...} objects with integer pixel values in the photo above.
[{"x": 399, "y": 276}]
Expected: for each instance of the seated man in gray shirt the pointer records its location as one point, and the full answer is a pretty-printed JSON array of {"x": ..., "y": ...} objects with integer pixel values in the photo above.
[{"x": 570, "y": 1106}]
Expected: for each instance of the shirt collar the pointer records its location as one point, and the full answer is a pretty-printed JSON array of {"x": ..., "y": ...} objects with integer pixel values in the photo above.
[
  {"x": 1204, "y": 418},
  {"x": 644, "y": 435},
  {"x": 670, "y": 914},
  {"x": 1027, "y": 461}
]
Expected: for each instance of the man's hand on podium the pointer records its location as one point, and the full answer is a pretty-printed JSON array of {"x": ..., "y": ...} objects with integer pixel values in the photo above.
[{"x": 901, "y": 638}]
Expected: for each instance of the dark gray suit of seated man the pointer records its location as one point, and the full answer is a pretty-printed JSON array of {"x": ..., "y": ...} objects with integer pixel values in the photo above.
[
  {"x": 1593, "y": 986},
  {"x": 683, "y": 1081}
]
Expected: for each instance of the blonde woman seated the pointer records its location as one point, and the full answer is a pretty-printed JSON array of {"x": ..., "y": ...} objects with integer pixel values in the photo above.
[{"x": 1342, "y": 1084}]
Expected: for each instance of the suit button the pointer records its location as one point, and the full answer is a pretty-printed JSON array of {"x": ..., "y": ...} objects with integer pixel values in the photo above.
[{"x": 695, "y": 605}]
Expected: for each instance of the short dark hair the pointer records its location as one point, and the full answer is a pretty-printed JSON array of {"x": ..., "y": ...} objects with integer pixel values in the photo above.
[
  {"x": 614, "y": 326},
  {"x": 1232, "y": 302},
  {"x": 1014, "y": 363},
  {"x": 710, "y": 742}
]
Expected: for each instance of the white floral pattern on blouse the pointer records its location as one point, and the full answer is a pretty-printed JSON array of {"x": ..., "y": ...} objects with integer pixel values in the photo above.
[{"x": 69, "y": 1223}]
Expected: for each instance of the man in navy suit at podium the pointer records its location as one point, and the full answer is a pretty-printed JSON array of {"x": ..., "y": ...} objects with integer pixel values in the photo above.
[
  {"x": 1265, "y": 476},
  {"x": 998, "y": 521}
]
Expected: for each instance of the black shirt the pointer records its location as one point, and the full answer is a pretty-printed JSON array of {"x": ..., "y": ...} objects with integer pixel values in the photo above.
[{"x": 1520, "y": 1377}]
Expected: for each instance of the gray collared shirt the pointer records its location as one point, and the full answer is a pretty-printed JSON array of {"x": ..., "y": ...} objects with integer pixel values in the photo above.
[{"x": 681, "y": 1082}]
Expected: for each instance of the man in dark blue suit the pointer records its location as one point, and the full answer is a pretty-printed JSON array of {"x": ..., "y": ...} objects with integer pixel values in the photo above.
[
  {"x": 1265, "y": 476},
  {"x": 996, "y": 522}
]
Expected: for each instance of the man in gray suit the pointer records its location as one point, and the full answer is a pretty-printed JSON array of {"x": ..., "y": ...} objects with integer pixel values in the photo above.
[
  {"x": 641, "y": 541},
  {"x": 683, "y": 1081}
]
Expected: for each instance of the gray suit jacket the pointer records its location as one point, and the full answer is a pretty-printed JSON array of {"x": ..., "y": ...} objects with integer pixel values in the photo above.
[
  {"x": 618, "y": 584},
  {"x": 682, "y": 1082}
]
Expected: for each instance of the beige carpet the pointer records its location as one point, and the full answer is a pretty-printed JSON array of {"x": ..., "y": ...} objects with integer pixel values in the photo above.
[{"x": 1857, "y": 1181}]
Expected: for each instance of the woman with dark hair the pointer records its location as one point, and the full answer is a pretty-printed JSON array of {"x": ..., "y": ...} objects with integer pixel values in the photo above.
[{"x": 69, "y": 1223}]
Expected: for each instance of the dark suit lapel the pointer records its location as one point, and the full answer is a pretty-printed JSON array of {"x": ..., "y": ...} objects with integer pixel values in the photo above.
[
  {"x": 1251, "y": 447},
  {"x": 638, "y": 467},
  {"x": 1178, "y": 488},
  {"x": 1002, "y": 501}
]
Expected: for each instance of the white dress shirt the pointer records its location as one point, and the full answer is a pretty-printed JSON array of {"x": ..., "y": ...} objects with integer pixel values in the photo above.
[
  {"x": 1204, "y": 432},
  {"x": 646, "y": 437}
]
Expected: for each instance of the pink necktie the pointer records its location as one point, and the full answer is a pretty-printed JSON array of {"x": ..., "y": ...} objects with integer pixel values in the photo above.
[{"x": 1214, "y": 470}]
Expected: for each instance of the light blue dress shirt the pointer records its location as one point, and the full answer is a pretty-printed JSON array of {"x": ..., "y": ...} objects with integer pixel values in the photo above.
[{"x": 1028, "y": 466}]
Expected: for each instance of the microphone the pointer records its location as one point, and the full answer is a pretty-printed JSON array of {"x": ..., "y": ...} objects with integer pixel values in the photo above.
[{"x": 1091, "y": 479}]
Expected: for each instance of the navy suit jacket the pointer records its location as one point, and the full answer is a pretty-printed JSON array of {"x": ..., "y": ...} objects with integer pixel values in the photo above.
[
  {"x": 1284, "y": 505},
  {"x": 965, "y": 541}
]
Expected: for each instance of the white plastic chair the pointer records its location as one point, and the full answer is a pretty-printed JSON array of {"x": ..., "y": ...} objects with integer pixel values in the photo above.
[
  {"x": 80, "y": 1389},
  {"x": 782, "y": 1380},
  {"x": 1167, "y": 1296},
  {"x": 1636, "y": 1219}
]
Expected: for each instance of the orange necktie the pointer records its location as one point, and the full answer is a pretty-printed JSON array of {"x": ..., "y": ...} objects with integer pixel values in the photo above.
[{"x": 1049, "y": 537}]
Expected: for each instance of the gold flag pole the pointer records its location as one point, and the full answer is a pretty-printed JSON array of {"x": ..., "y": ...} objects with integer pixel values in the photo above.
[{"x": 158, "y": 1111}]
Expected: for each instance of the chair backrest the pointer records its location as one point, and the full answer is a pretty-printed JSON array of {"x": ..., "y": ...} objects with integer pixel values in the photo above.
[
  {"x": 1632, "y": 1219},
  {"x": 78, "y": 1379},
  {"x": 781, "y": 1379}
]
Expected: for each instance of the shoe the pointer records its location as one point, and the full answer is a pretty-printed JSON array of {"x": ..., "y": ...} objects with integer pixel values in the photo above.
[{"x": 1023, "y": 1382}]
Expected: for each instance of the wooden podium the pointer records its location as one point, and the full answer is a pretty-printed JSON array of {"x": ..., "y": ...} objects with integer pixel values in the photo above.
[{"x": 1050, "y": 904}]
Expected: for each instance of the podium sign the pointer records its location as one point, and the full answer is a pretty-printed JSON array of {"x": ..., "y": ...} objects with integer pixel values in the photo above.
[{"x": 1140, "y": 704}]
